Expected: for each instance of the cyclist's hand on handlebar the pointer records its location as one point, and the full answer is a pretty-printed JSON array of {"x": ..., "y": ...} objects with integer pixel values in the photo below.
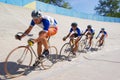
[
  {"x": 64, "y": 38},
  {"x": 18, "y": 37},
  {"x": 31, "y": 42}
]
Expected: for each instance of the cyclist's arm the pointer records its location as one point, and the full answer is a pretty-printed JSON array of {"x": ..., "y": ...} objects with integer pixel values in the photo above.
[
  {"x": 85, "y": 31},
  {"x": 98, "y": 35},
  {"x": 27, "y": 31},
  {"x": 68, "y": 35}
]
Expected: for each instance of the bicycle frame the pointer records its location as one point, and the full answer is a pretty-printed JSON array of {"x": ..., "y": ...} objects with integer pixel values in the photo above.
[{"x": 30, "y": 47}]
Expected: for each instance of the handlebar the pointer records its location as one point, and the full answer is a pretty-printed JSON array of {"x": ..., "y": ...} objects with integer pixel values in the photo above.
[{"x": 20, "y": 33}]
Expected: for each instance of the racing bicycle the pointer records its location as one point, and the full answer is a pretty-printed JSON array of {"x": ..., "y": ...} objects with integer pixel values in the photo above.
[{"x": 19, "y": 60}]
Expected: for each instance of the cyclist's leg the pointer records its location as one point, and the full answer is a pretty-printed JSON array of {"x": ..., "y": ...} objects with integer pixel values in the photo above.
[
  {"x": 101, "y": 40},
  {"x": 72, "y": 36},
  {"x": 42, "y": 40},
  {"x": 75, "y": 48},
  {"x": 51, "y": 31},
  {"x": 91, "y": 40},
  {"x": 39, "y": 48},
  {"x": 75, "y": 44}
]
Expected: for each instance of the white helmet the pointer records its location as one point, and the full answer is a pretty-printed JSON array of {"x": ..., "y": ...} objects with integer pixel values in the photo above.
[{"x": 36, "y": 13}]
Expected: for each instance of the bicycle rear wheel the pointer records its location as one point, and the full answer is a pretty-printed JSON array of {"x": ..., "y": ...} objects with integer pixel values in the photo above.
[
  {"x": 18, "y": 61},
  {"x": 51, "y": 59},
  {"x": 65, "y": 52}
]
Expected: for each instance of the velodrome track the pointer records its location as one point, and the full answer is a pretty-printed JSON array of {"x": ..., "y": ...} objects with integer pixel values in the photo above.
[{"x": 99, "y": 65}]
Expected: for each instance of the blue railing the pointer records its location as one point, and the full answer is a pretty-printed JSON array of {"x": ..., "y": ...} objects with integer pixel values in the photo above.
[
  {"x": 73, "y": 13},
  {"x": 17, "y": 2},
  {"x": 58, "y": 10}
]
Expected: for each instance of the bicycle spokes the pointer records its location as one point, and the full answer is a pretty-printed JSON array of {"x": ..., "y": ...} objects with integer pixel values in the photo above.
[
  {"x": 18, "y": 60},
  {"x": 23, "y": 56}
]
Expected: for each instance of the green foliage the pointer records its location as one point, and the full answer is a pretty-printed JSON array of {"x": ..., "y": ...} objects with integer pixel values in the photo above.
[
  {"x": 108, "y": 8},
  {"x": 59, "y": 3}
]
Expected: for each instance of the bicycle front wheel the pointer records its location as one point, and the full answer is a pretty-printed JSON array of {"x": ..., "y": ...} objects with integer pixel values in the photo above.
[
  {"x": 82, "y": 45},
  {"x": 51, "y": 59},
  {"x": 18, "y": 61},
  {"x": 65, "y": 51},
  {"x": 98, "y": 46}
]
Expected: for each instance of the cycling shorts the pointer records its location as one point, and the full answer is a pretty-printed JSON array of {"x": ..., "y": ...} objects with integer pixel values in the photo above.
[{"x": 52, "y": 31}]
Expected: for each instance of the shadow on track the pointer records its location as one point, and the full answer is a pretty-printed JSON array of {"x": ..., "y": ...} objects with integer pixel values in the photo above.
[{"x": 100, "y": 60}]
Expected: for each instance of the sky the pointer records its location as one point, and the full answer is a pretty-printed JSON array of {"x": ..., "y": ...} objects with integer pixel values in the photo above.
[{"x": 85, "y": 6}]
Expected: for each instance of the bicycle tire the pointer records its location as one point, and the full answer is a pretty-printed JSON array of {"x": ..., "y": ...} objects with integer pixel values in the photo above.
[
  {"x": 16, "y": 63},
  {"x": 82, "y": 46},
  {"x": 96, "y": 45},
  {"x": 99, "y": 47},
  {"x": 65, "y": 52},
  {"x": 51, "y": 59}
]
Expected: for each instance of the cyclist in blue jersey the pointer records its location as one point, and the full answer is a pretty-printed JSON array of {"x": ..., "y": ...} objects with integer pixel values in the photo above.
[
  {"x": 48, "y": 24},
  {"x": 74, "y": 33},
  {"x": 89, "y": 33},
  {"x": 103, "y": 34}
]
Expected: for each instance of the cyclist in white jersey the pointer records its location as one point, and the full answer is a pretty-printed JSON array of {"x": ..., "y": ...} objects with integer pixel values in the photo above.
[
  {"x": 74, "y": 33},
  {"x": 48, "y": 24}
]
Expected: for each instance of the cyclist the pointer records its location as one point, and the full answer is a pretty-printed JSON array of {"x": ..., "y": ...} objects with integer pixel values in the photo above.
[
  {"x": 102, "y": 37},
  {"x": 89, "y": 33},
  {"x": 48, "y": 24},
  {"x": 74, "y": 33}
]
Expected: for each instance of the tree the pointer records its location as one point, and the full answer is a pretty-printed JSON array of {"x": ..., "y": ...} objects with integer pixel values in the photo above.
[
  {"x": 59, "y": 3},
  {"x": 108, "y": 8}
]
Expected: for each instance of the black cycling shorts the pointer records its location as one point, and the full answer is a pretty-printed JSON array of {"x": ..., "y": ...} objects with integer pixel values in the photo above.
[{"x": 75, "y": 34}]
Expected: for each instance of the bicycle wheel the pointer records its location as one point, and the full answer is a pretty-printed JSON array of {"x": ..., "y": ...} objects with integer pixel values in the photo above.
[
  {"x": 82, "y": 46},
  {"x": 65, "y": 51},
  {"x": 51, "y": 59},
  {"x": 18, "y": 61},
  {"x": 99, "y": 47}
]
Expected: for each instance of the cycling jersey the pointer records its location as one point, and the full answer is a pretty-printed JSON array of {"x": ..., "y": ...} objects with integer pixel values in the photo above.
[
  {"x": 77, "y": 31},
  {"x": 45, "y": 23},
  {"x": 90, "y": 31},
  {"x": 104, "y": 32}
]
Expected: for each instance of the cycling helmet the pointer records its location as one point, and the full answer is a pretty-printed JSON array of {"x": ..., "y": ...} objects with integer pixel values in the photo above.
[
  {"x": 102, "y": 29},
  {"x": 36, "y": 13},
  {"x": 89, "y": 26},
  {"x": 74, "y": 24}
]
